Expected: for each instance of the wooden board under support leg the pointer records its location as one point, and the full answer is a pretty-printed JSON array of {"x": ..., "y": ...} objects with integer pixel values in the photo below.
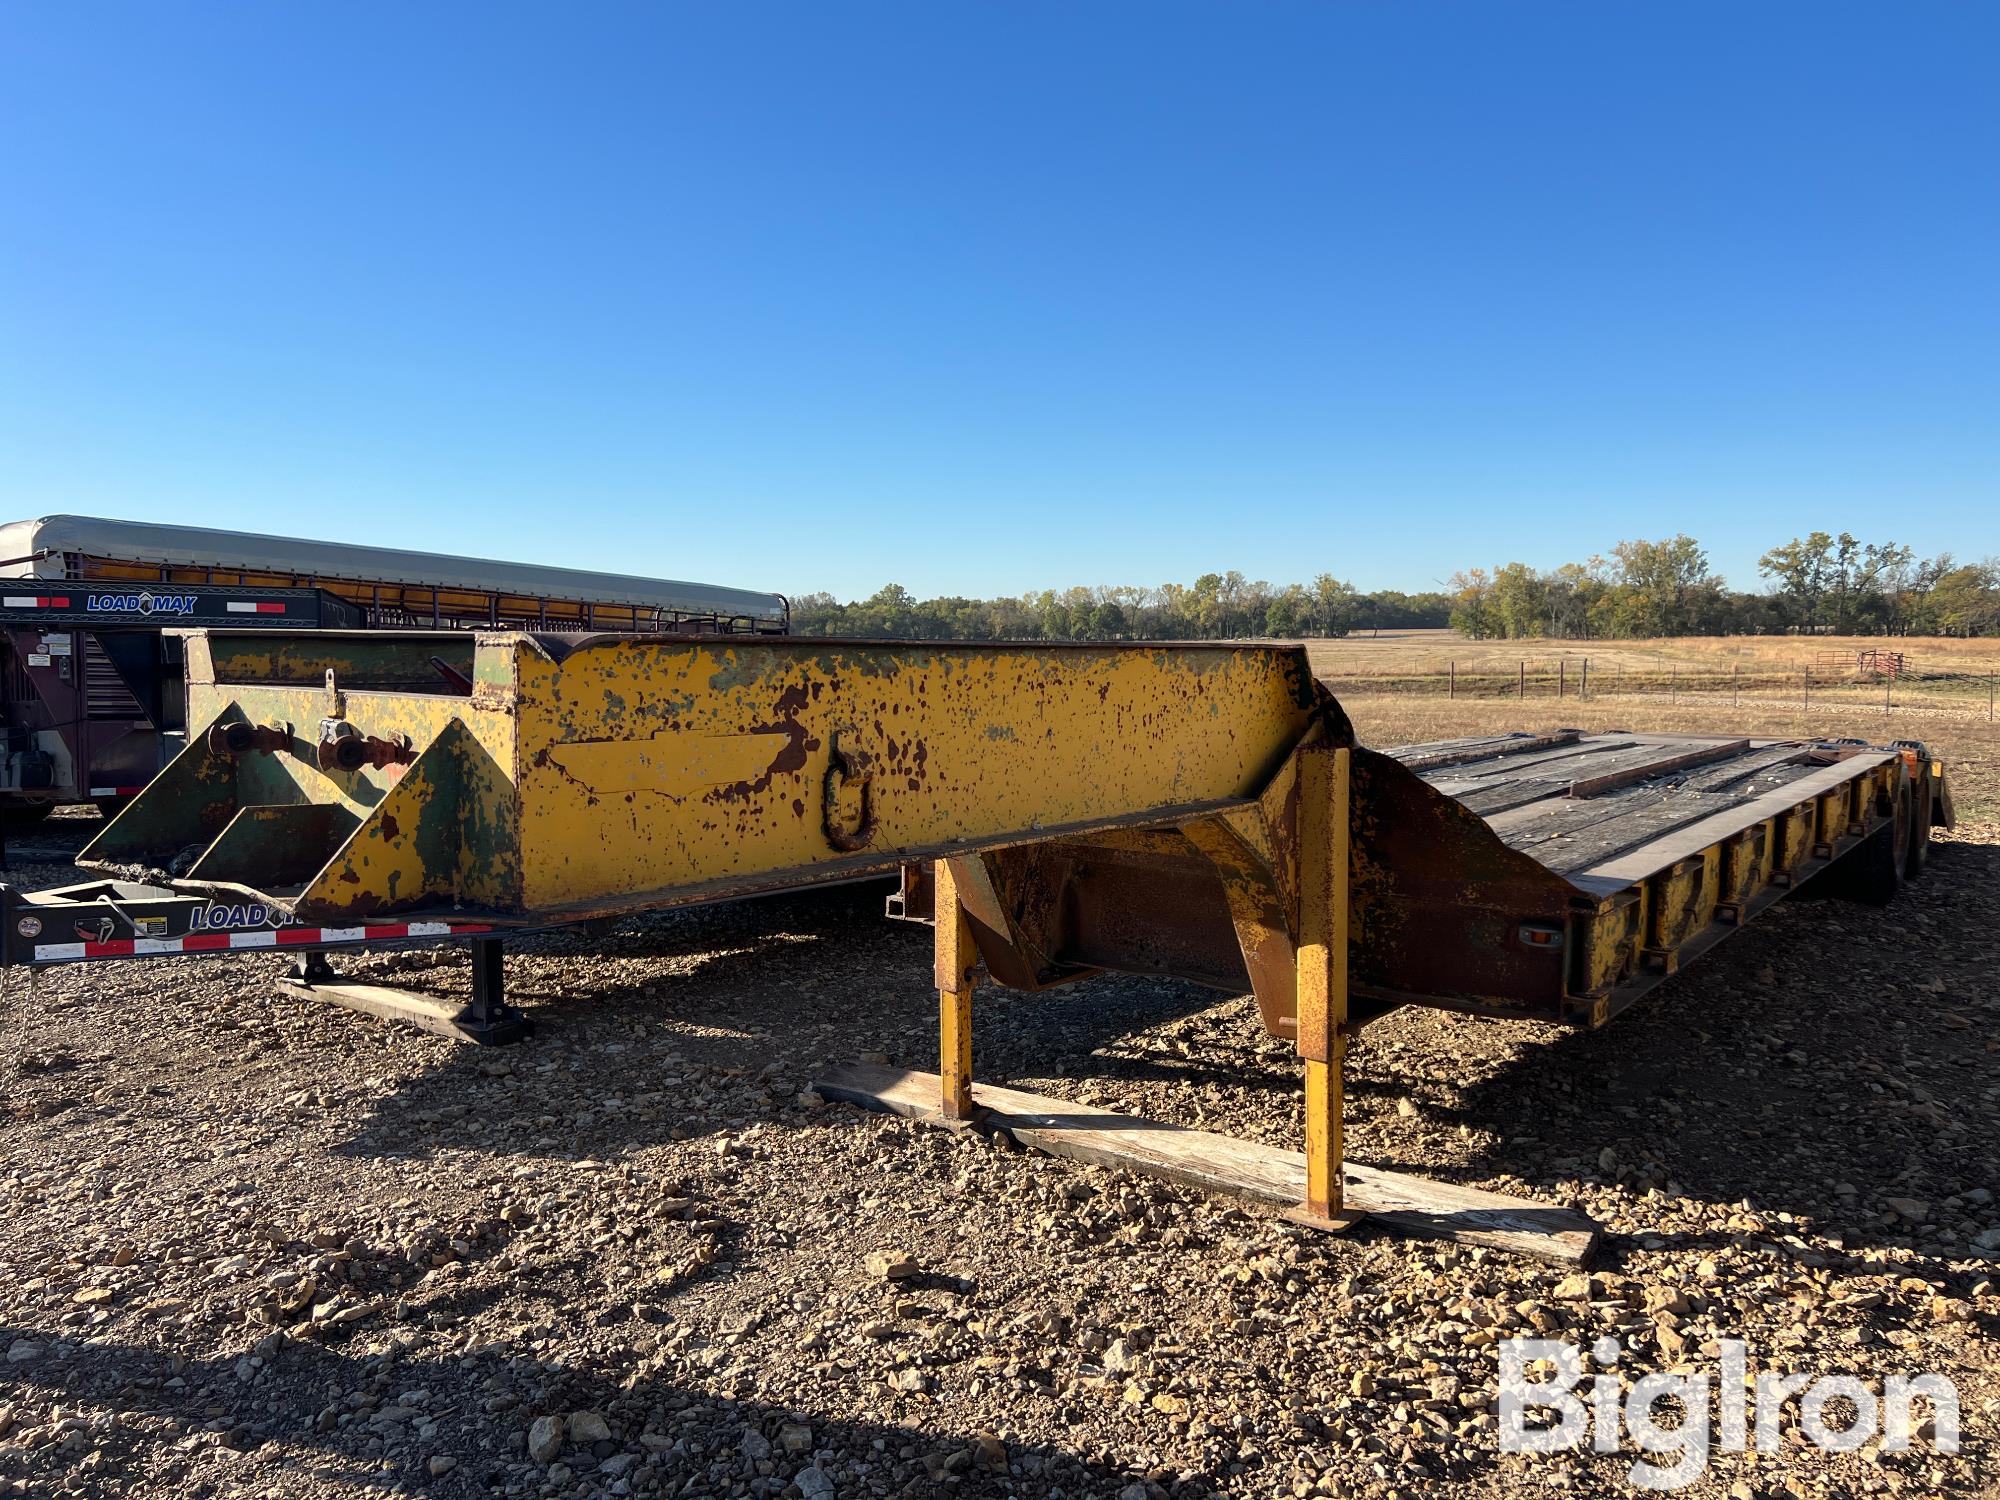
[
  {"x": 486, "y": 1021},
  {"x": 1223, "y": 1164}
]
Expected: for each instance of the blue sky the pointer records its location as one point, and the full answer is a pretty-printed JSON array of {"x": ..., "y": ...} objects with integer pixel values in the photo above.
[{"x": 983, "y": 298}]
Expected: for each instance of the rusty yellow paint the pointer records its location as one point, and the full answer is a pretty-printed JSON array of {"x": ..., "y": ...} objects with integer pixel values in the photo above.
[
  {"x": 954, "y": 958},
  {"x": 1684, "y": 898},
  {"x": 614, "y": 773},
  {"x": 674, "y": 766},
  {"x": 1746, "y": 868},
  {"x": 1323, "y": 821},
  {"x": 1612, "y": 938},
  {"x": 1794, "y": 845},
  {"x": 633, "y": 771},
  {"x": 413, "y": 848},
  {"x": 948, "y": 746}
]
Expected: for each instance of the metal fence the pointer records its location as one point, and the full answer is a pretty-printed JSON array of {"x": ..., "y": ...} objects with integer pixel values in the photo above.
[{"x": 1845, "y": 683}]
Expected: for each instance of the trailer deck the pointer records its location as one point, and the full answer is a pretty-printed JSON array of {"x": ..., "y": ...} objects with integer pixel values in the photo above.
[{"x": 1576, "y": 802}]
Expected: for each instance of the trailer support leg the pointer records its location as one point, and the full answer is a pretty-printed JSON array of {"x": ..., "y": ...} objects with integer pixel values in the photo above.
[
  {"x": 955, "y": 957},
  {"x": 486, "y": 1021},
  {"x": 1322, "y": 976},
  {"x": 1318, "y": 1189},
  {"x": 489, "y": 1019}
]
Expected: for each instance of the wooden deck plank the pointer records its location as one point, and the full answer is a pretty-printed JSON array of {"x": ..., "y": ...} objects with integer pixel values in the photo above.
[
  {"x": 1224, "y": 1164},
  {"x": 1571, "y": 837},
  {"x": 1437, "y": 753},
  {"x": 1596, "y": 774},
  {"x": 1531, "y": 766},
  {"x": 1740, "y": 779},
  {"x": 1611, "y": 779},
  {"x": 1692, "y": 838}
]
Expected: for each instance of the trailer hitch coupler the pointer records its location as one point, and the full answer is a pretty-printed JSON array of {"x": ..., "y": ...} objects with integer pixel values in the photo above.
[
  {"x": 237, "y": 739},
  {"x": 342, "y": 747}
]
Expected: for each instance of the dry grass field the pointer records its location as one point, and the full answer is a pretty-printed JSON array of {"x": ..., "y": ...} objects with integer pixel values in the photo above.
[
  {"x": 1391, "y": 653},
  {"x": 1389, "y": 688}
]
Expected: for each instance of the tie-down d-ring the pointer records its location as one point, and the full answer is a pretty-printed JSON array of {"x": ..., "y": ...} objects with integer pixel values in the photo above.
[{"x": 842, "y": 767}]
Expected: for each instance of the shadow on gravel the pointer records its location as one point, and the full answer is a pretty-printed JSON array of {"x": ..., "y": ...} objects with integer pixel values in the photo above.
[
  {"x": 732, "y": 993},
  {"x": 1805, "y": 1056},
  {"x": 196, "y": 1428},
  {"x": 1721, "y": 1086}
]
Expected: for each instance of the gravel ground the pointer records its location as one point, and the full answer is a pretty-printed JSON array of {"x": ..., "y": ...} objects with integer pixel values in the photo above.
[{"x": 254, "y": 1246}]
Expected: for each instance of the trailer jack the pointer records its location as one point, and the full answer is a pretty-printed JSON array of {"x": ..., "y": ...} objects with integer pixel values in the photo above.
[{"x": 487, "y": 1020}]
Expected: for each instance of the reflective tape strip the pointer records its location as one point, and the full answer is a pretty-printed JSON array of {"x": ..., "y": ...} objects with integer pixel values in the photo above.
[
  {"x": 285, "y": 937},
  {"x": 253, "y": 607},
  {"x": 37, "y": 601}
]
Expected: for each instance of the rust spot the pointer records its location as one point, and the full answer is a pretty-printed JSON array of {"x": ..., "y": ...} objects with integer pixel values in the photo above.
[
  {"x": 391, "y": 829},
  {"x": 790, "y": 759}
]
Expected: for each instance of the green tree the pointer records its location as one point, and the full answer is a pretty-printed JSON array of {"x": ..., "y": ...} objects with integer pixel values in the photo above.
[
  {"x": 1966, "y": 601},
  {"x": 1335, "y": 605},
  {"x": 1666, "y": 586},
  {"x": 1107, "y": 621},
  {"x": 1802, "y": 570},
  {"x": 1471, "y": 612},
  {"x": 1517, "y": 602}
]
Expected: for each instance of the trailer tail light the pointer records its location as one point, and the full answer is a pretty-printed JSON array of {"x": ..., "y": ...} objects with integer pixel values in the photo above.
[{"x": 1541, "y": 935}]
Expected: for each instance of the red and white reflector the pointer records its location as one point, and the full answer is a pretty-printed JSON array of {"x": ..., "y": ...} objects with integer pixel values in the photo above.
[{"x": 279, "y": 937}]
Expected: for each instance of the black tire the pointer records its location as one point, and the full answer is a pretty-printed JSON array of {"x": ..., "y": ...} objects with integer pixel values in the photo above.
[
  {"x": 1873, "y": 874},
  {"x": 1919, "y": 845}
]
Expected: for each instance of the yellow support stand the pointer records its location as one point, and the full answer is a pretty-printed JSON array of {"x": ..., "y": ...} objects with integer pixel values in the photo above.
[
  {"x": 1322, "y": 973},
  {"x": 955, "y": 958}
]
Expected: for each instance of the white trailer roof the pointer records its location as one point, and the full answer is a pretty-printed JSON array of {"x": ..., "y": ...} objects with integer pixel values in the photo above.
[{"x": 34, "y": 549}]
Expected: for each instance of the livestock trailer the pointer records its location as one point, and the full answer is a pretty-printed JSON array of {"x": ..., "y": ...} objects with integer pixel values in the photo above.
[{"x": 90, "y": 610}]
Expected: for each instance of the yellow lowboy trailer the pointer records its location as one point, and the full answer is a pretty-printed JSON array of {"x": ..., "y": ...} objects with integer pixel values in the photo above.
[{"x": 1200, "y": 811}]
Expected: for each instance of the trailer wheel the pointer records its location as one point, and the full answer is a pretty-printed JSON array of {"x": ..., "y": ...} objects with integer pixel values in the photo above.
[
  {"x": 1919, "y": 845},
  {"x": 1874, "y": 872}
]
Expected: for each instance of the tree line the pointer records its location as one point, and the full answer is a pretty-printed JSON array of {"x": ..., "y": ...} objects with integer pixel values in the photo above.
[
  {"x": 1814, "y": 584},
  {"x": 1216, "y": 606}
]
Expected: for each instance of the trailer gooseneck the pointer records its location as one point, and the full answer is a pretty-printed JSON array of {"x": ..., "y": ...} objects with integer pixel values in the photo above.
[{"x": 1199, "y": 811}]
